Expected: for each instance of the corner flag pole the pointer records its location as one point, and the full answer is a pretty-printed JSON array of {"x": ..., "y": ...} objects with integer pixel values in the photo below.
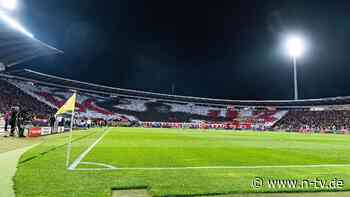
[
  {"x": 69, "y": 148},
  {"x": 69, "y": 106}
]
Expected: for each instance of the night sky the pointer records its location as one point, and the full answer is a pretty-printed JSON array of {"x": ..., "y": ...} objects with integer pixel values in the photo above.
[{"x": 217, "y": 49}]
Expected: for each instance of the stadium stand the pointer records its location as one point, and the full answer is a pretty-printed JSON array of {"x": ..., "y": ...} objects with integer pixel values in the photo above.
[
  {"x": 17, "y": 47},
  {"x": 11, "y": 96},
  {"x": 102, "y": 106},
  {"x": 306, "y": 120},
  {"x": 43, "y": 94}
]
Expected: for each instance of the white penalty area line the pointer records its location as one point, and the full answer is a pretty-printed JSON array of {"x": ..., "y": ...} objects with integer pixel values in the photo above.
[
  {"x": 74, "y": 165},
  {"x": 214, "y": 167}
]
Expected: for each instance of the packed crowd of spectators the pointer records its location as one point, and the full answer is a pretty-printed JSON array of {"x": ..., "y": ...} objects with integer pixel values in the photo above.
[
  {"x": 11, "y": 96},
  {"x": 40, "y": 101},
  {"x": 332, "y": 120}
]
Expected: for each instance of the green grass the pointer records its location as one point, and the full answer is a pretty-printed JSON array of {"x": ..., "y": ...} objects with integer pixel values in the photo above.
[
  {"x": 42, "y": 171},
  {"x": 11, "y": 143}
]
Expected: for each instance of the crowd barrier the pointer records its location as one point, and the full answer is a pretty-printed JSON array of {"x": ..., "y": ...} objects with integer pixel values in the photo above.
[
  {"x": 2, "y": 125},
  {"x": 232, "y": 126},
  {"x": 228, "y": 126},
  {"x": 42, "y": 131}
]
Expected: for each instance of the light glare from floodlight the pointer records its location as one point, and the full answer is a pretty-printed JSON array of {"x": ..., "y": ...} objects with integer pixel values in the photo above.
[
  {"x": 8, "y": 4},
  {"x": 295, "y": 46},
  {"x": 15, "y": 25}
]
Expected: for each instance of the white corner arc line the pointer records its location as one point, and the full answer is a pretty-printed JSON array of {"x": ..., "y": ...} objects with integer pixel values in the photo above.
[
  {"x": 100, "y": 164},
  {"x": 74, "y": 165},
  {"x": 216, "y": 167},
  {"x": 94, "y": 169}
]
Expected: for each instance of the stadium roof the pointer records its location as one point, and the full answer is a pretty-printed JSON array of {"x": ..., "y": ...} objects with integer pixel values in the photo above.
[
  {"x": 17, "y": 47},
  {"x": 45, "y": 79}
]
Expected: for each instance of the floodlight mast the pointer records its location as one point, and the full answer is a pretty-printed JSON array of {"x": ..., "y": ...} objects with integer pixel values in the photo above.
[
  {"x": 296, "y": 96},
  {"x": 295, "y": 49}
]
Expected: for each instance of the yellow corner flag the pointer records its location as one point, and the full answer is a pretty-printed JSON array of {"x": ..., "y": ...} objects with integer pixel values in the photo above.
[{"x": 69, "y": 106}]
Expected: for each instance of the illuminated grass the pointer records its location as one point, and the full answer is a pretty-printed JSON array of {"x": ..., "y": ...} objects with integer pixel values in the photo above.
[
  {"x": 42, "y": 171},
  {"x": 12, "y": 143}
]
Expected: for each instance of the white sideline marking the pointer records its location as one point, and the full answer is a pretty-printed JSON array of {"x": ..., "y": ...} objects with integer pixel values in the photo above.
[
  {"x": 74, "y": 165},
  {"x": 217, "y": 167}
]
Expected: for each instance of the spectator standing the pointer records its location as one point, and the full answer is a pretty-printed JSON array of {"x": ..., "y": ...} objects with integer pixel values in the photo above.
[
  {"x": 88, "y": 122},
  {"x": 13, "y": 121},
  {"x": 20, "y": 122},
  {"x": 7, "y": 119},
  {"x": 52, "y": 121}
]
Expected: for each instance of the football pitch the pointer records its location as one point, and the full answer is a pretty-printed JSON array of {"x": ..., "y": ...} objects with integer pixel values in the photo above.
[{"x": 170, "y": 162}]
